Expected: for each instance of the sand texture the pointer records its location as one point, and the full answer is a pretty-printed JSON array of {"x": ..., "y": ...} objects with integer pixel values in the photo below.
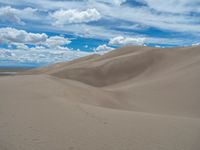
[{"x": 133, "y": 98}]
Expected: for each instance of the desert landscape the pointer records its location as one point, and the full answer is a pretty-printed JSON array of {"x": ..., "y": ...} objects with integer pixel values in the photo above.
[{"x": 132, "y": 98}]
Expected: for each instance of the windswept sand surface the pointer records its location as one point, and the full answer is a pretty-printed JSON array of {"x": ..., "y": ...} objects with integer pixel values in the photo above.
[{"x": 134, "y": 98}]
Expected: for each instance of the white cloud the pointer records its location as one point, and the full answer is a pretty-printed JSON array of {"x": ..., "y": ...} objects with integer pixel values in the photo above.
[
  {"x": 12, "y": 35},
  {"x": 13, "y": 15},
  {"x": 173, "y": 6},
  {"x": 62, "y": 48},
  {"x": 21, "y": 46},
  {"x": 121, "y": 41},
  {"x": 168, "y": 16},
  {"x": 196, "y": 44},
  {"x": 118, "y": 2},
  {"x": 55, "y": 41},
  {"x": 20, "y": 38},
  {"x": 103, "y": 49},
  {"x": 40, "y": 56},
  {"x": 63, "y": 17},
  {"x": 37, "y": 48},
  {"x": 47, "y": 4},
  {"x": 114, "y": 2},
  {"x": 4, "y": 54},
  {"x": 8, "y": 14}
]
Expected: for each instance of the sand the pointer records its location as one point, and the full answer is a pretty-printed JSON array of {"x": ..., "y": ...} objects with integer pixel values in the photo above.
[
  {"x": 133, "y": 98},
  {"x": 6, "y": 71}
]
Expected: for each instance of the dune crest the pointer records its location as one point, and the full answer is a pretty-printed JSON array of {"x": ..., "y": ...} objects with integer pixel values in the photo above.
[{"x": 144, "y": 79}]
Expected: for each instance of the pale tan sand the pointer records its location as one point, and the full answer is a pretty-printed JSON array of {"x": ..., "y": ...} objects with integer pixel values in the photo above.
[
  {"x": 12, "y": 71},
  {"x": 134, "y": 98}
]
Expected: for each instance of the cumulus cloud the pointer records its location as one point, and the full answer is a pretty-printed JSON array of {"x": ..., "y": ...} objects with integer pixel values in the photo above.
[
  {"x": 42, "y": 56},
  {"x": 55, "y": 41},
  {"x": 12, "y": 35},
  {"x": 21, "y": 46},
  {"x": 43, "y": 50},
  {"x": 20, "y": 38},
  {"x": 121, "y": 41},
  {"x": 103, "y": 49},
  {"x": 13, "y": 15},
  {"x": 8, "y": 14},
  {"x": 63, "y": 17}
]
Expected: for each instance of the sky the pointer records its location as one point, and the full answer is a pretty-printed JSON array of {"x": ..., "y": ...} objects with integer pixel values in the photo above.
[{"x": 41, "y": 32}]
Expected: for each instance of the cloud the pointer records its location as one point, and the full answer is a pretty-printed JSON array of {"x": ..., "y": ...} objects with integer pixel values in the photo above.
[
  {"x": 172, "y": 15},
  {"x": 12, "y": 35},
  {"x": 8, "y": 14},
  {"x": 121, "y": 41},
  {"x": 118, "y": 2},
  {"x": 55, "y": 41},
  {"x": 70, "y": 16},
  {"x": 4, "y": 54},
  {"x": 113, "y": 2},
  {"x": 196, "y": 44},
  {"x": 13, "y": 15},
  {"x": 21, "y": 46},
  {"x": 172, "y": 22},
  {"x": 173, "y": 6},
  {"x": 101, "y": 49},
  {"x": 41, "y": 56},
  {"x": 20, "y": 38}
]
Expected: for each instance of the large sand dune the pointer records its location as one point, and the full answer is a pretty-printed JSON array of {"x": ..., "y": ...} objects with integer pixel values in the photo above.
[{"x": 134, "y": 98}]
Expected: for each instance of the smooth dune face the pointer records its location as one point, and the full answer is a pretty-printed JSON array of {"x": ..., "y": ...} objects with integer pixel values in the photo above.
[{"x": 132, "y": 98}]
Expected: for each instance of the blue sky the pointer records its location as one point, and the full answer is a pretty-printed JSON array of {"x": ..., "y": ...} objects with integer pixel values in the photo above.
[{"x": 41, "y": 32}]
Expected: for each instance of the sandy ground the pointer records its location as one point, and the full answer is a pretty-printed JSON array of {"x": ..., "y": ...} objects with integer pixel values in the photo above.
[
  {"x": 134, "y": 98},
  {"x": 12, "y": 71}
]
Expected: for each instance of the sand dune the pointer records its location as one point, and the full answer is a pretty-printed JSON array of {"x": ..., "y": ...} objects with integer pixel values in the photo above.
[{"x": 139, "y": 98}]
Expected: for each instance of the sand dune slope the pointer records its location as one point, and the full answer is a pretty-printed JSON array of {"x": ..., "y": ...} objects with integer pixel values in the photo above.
[
  {"x": 144, "y": 79},
  {"x": 132, "y": 98}
]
